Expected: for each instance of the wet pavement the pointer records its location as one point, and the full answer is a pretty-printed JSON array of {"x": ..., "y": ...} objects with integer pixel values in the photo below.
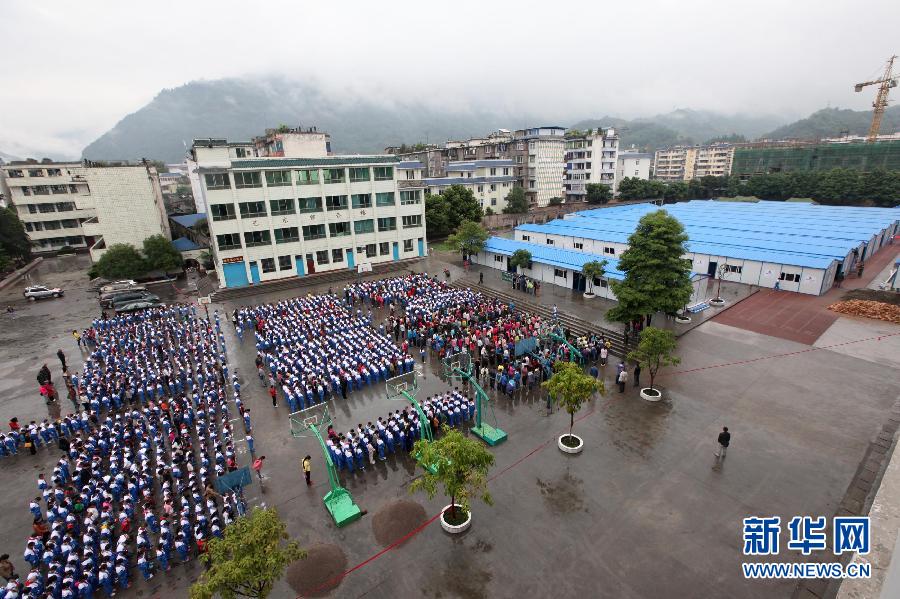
[{"x": 644, "y": 511}]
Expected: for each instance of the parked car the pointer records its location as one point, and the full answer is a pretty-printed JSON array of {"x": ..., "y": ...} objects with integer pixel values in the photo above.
[
  {"x": 118, "y": 286},
  {"x": 40, "y": 292},
  {"x": 137, "y": 296},
  {"x": 106, "y": 299},
  {"x": 135, "y": 306}
]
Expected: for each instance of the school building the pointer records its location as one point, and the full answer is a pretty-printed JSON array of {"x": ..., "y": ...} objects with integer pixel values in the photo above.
[{"x": 796, "y": 246}]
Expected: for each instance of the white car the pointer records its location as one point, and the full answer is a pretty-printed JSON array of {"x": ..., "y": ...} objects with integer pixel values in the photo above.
[{"x": 40, "y": 292}]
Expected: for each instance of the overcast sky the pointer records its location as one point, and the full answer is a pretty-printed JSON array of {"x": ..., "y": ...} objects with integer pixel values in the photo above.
[{"x": 71, "y": 70}]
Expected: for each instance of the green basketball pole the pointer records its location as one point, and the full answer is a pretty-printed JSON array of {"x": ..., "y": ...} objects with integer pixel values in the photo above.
[{"x": 484, "y": 431}]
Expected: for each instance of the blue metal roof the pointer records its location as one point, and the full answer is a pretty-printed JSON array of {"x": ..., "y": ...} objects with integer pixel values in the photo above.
[
  {"x": 469, "y": 165},
  {"x": 189, "y": 220},
  {"x": 410, "y": 164},
  {"x": 543, "y": 254},
  {"x": 441, "y": 181},
  {"x": 183, "y": 244}
]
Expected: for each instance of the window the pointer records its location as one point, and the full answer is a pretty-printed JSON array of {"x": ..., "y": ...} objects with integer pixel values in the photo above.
[
  {"x": 603, "y": 283},
  {"x": 32, "y": 208},
  {"x": 278, "y": 178},
  {"x": 252, "y": 209},
  {"x": 506, "y": 172},
  {"x": 248, "y": 179},
  {"x": 65, "y": 206},
  {"x": 59, "y": 189},
  {"x": 305, "y": 205},
  {"x": 222, "y": 211},
  {"x": 69, "y": 223},
  {"x": 384, "y": 173},
  {"x": 370, "y": 250},
  {"x": 481, "y": 189},
  {"x": 531, "y": 184},
  {"x": 493, "y": 172},
  {"x": 410, "y": 197},
  {"x": 359, "y": 174},
  {"x": 41, "y": 190},
  {"x": 229, "y": 241},
  {"x": 384, "y": 248},
  {"x": 322, "y": 257},
  {"x": 361, "y": 200},
  {"x": 339, "y": 229},
  {"x": 334, "y": 175},
  {"x": 35, "y": 173},
  {"x": 413, "y": 221},
  {"x": 15, "y": 174},
  {"x": 26, "y": 191},
  {"x": 499, "y": 258},
  {"x": 28, "y": 227},
  {"x": 493, "y": 187},
  {"x": 311, "y": 232},
  {"x": 789, "y": 277},
  {"x": 407, "y": 245},
  {"x": 281, "y": 207},
  {"x": 387, "y": 224},
  {"x": 549, "y": 242},
  {"x": 520, "y": 159},
  {"x": 52, "y": 225},
  {"x": 520, "y": 146},
  {"x": 256, "y": 238},
  {"x": 308, "y": 177},
  {"x": 608, "y": 250},
  {"x": 45, "y": 208},
  {"x": 733, "y": 268},
  {"x": 578, "y": 246},
  {"x": 268, "y": 264},
  {"x": 385, "y": 199},
  {"x": 240, "y": 152},
  {"x": 285, "y": 263},
  {"x": 287, "y": 235},
  {"x": 558, "y": 272},
  {"x": 364, "y": 226},
  {"x": 336, "y": 202},
  {"x": 38, "y": 226},
  {"x": 73, "y": 189},
  {"x": 337, "y": 256}
]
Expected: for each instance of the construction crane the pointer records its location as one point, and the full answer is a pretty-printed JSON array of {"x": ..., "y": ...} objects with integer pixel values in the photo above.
[{"x": 887, "y": 81}]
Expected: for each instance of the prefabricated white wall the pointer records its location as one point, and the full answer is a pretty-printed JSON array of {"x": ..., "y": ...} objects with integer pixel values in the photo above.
[{"x": 544, "y": 273}]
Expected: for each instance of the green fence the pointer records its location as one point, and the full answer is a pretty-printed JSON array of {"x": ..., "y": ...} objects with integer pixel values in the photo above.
[{"x": 856, "y": 156}]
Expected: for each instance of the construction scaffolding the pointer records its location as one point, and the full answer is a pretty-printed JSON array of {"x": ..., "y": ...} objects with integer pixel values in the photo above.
[{"x": 862, "y": 157}]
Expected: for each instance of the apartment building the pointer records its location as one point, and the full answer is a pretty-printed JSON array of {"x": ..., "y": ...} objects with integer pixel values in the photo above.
[
  {"x": 489, "y": 180},
  {"x": 539, "y": 154},
  {"x": 87, "y": 205},
  {"x": 590, "y": 158},
  {"x": 683, "y": 163},
  {"x": 285, "y": 141},
  {"x": 632, "y": 164},
  {"x": 274, "y": 217}
]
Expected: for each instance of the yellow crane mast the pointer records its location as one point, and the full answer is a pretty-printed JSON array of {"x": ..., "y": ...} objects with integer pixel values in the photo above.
[{"x": 887, "y": 81}]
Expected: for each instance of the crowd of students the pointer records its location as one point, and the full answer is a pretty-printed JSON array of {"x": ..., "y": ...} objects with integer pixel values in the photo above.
[{"x": 133, "y": 482}]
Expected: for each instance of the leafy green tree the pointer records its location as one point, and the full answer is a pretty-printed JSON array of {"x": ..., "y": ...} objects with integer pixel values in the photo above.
[
  {"x": 121, "y": 261},
  {"x": 160, "y": 254},
  {"x": 597, "y": 193},
  {"x": 461, "y": 206},
  {"x": 520, "y": 258},
  {"x": 13, "y": 238},
  {"x": 469, "y": 238},
  {"x": 248, "y": 559},
  {"x": 437, "y": 217},
  {"x": 5, "y": 263},
  {"x": 631, "y": 188},
  {"x": 595, "y": 269},
  {"x": 554, "y": 202},
  {"x": 516, "y": 202},
  {"x": 657, "y": 277},
  {"x": 461, "y": 465},
  {"x": 655, "y": 348},
  {"x": 676, "y": 191},
  {"x": 571, "y": 387}
]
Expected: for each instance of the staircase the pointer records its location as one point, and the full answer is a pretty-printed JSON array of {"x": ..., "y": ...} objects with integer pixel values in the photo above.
[
  {"x": 331, "y": 276},
  {"x": 574, "y": 325}
]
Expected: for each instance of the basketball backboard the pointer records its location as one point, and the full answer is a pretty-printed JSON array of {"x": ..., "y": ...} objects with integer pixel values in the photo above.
[{"x": 316, "y": 415}]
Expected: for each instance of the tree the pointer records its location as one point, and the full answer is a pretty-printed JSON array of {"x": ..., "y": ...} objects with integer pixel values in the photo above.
[
  {"x": 121, "y": 261},
  {"x": 595, "y": 269},
  {"x": 554, "y": 202},
  {"x": 469, "y": 238},
  {"x": 657, "y": 277},
  {"x": 571, "y": 387},
  {"x": 516, "y": 202},
  {"x": 437, "y": 219},
  {"x": 461, "y": 205},
  {"x": 248, "y": 559},
  {"x": 520, "y": 258},
  {"x": 460, "y": 466},
  {"x": 161, "y": 254},
  {"x": 13, "y": 238},
  {"x": 597, "y": 193},
  {"x": 5, "y": 262},
  {"x": 655, "y": 349}
]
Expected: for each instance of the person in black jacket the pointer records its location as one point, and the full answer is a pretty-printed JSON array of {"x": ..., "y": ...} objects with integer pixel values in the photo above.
[{"x": 724, "y": 440}]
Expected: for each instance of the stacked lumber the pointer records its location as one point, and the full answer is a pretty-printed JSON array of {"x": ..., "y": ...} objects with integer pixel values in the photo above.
[{"x": 868, "y": 309}]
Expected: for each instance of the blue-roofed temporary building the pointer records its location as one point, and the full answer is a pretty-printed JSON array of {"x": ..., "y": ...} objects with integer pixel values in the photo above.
[
  {"x": 795, "y": 246},
  {"x": 183, "y": 244},
  {"x": 189, "y": 220}
]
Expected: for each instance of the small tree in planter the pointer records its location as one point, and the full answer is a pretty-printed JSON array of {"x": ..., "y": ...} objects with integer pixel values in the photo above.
[
  {"x": 571, "y": 387},
  {"x": 460, "y": 466},
  {"x": 656, "y": 348},
  {"x": 520, "y": 258},
  {"x": 595, "y": 269}
]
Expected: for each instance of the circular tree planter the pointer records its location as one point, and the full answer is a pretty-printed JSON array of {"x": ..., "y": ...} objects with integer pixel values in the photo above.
[
  {"x": 651, "y": 394},
  {"x": 588, "y": 295},
  {"x": 570, "y": 443},
  {"x": 680, "y": 319},
  {"x": 717, "y": 302},
  {"x": 455, "y": 528}
]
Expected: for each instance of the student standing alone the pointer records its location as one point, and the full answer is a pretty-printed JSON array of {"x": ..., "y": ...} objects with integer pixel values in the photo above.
[{"x": 724, "y": 441}]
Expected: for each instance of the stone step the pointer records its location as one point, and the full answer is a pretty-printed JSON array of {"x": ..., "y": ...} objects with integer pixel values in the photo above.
[{"x": 330, "y": 276}]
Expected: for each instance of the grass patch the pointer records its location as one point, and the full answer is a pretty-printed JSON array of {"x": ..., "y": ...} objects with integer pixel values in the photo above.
[{"x": 440, "y": 246}]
